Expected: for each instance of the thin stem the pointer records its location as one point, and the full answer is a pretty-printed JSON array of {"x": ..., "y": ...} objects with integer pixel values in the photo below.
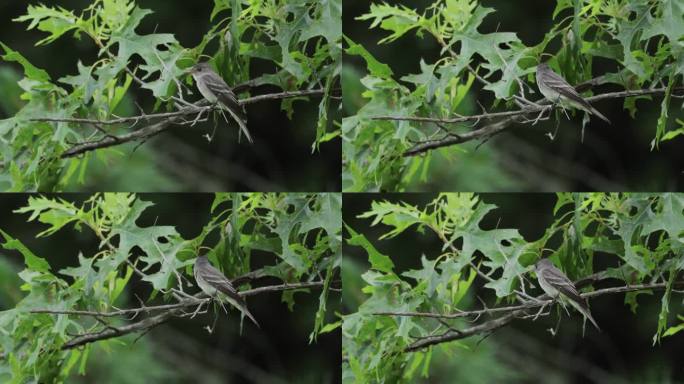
[
  {"x": 167, "y": 311},
  {"x": 511, "y": 313}
]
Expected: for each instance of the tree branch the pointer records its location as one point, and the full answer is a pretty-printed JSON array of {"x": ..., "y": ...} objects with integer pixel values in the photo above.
[
  {"x": 511, "y": 312},
  {"x": 540, "y": 107},
  {"x": 167, "y": 312},
  {"x": 507, "y": 118},
  {"x": 167, "y": 119}
]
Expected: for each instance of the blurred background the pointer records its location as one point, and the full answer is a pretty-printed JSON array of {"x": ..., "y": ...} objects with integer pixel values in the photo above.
[
  {"x": 611, "y": 157},
  {"x": 181, "y": 159},
  {"x": 182, "y": 350},
  {"x": 524, "y": 351}
]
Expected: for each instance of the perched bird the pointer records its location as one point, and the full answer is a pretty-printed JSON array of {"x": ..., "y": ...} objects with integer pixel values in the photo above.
[
  {"x": 559, "y": 287},
  {"x": 557, "y": 90},
  {"x": 215, "y": 284},
  {"x": 216, "y": 91}
]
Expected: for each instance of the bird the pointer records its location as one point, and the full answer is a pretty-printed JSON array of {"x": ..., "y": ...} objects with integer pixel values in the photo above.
[
  {"x": 554, "y": 282},
  {"x": 215, "y": 90},
  {"x": 212, "y": 282},
  {"x": 557, "y": 90}
]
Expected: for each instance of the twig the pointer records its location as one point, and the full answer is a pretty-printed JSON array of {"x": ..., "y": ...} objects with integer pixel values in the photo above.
[
  {"x": 167, "y": 120},
  {"x": 518, "y": 311},
  {"x": 168, "y": 311},
  {"x": 189, "y": 302},
  {"x": 507, "y": 119},
  {"x": 540, "y": 106},
  {"x": 450, "y": 336},
  {"x": 189, "y": 110}
]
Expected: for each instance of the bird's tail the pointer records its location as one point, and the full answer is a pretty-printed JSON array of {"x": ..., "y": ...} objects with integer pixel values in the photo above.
[
  {"x": 584, "y": 310},
  {"x": 241, "y": 306},
  {"x": 240, "y": 119},
  {"x": 246, "y": 312}
]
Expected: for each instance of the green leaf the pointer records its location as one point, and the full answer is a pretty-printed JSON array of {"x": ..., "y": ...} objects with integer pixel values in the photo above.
[
  {"x": 164, "y": 61},
  {"x": 377, "y": 260},
  {"x": 55, "y": 21},
  {"x": 426, "y": 80},
  {"x": 627, "y": 33},
  {"x": 286, "y": 223},
  {"x": 165, "y": 69},
  {"x": 668, "y": 217},
  {"x": 84, "y": 82},
  {"x": 83, "y": 272},
  {"x": 662, "y": 119},
  {"x": 33, "y": 262},
  {"x": 426, "y": 277},
  {"x": 396, "y": 19},
  {"x": 30, "y": 71},
  {"x": 670, "y": 24},
  {"x": 629, "y": 224},
  {"x": 54, "y": 212},
  {"x": 219, "y": 5},
  {"x": 502, "y": 248},
  {"x": 673, "y": 330},
  {"x": 665, "y": 307},
  {"x": 489, "y": 46},
  {"x": 669, "y": 135},
  {"x": 330, "y": 327},
  {"x": 165, "y": 255},
  {"x": 375, "y": 68},
  {"x": 399, "y": 216},
  {"x": 148, "y": 239},
  {"x": 327, "y": 215},
  {"x": 327, "y": 23}
]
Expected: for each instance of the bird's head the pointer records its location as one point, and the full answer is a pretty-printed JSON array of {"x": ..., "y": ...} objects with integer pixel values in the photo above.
[
  {"x": 543, "y": 262},
  {"x": 201, "y": 259},
  {"x": 200, "y": 68},
  {"x": 543, "y": 66}
]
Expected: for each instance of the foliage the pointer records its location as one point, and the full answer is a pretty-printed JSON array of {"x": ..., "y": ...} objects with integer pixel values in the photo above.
[
  {"x": 302, "y": 232},
  {"x": 642, "y": 39},
  {"x": 639, "y": 233},
  {"x": 302, "y": 40}
]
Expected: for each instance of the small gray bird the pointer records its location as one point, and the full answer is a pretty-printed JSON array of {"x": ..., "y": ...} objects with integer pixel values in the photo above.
[
  {"x": 559, "y": 287},
  {"x": 215, "y": 284},
  {"x": 558, "y": 91},
  {"x": 215, "y": 90}
]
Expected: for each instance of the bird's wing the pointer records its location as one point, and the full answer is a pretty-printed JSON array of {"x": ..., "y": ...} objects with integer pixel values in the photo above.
[
  {"x": 556, "y": 278},
  {"x": 225, "y": 95},
  {"x": 228, "y": 99},
  {"x": 558, "y": 83},
  {"x": 212, "y": 276}
]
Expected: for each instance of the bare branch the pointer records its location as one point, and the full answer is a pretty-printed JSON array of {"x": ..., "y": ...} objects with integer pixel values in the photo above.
[
  {"x": 167, "y": 312},
  {"x": 456, "y": 335},
  {"x": 517, "y": 311},
  {"x": 166, "y": 121},
  {"x": 541, "y": 106},
  {"x": 507, "y": 118}
]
